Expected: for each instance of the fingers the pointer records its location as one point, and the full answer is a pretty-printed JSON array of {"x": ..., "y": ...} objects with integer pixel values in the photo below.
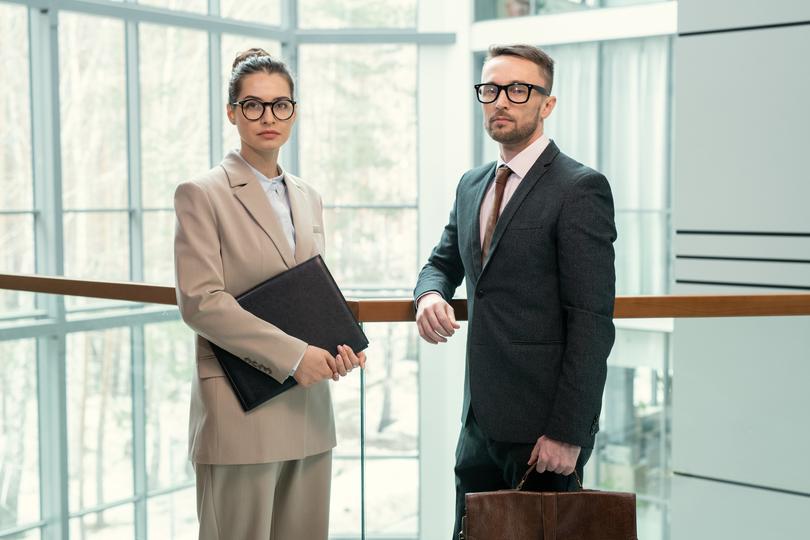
[
  {"x": 425, "y": 332},
  {"x": 445, "y": 325},
  {"x": 356, "y": 360},
  {"x": 330, "y": 361},
  {"x": 435, "y": 319},
  {"x": 434, "y": 327},
  {"x": 343, "y": 361},
  {"x": 451, "y": 316}
]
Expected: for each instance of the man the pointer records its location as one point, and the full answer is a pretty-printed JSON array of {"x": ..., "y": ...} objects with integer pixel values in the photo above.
[{"x": 534, "y": 240}]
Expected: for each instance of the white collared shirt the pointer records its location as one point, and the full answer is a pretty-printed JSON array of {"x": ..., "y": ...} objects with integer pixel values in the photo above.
[{"x": 276, "y": 190}]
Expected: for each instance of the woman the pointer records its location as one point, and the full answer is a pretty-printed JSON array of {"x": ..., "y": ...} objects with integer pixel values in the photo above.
[{"x": 265, "y": 474}]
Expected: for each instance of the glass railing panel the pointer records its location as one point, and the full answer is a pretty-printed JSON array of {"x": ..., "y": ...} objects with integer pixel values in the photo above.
[
  {"x": 173, "y": 516},
  {"x": 111, "y": 524},
  {"x": 170, "y": 364},
  {"x": 99, "y": 415},
  {"x": 19, "y": 443}
]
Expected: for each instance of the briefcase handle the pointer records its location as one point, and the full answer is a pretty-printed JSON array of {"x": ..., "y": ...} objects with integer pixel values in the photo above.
[{"x": 532, "y": 468}]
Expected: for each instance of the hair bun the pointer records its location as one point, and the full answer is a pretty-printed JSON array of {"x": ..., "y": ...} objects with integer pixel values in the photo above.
[{"x": 254, "y": 52}]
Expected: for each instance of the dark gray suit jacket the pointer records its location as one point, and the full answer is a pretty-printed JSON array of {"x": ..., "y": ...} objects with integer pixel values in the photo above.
[{"x": 541, "y": 307}]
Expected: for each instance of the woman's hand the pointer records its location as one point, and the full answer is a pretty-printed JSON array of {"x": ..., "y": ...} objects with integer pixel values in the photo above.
[
  {"x": 317, "y": 365},
  {"x": 346, "y": 360}
]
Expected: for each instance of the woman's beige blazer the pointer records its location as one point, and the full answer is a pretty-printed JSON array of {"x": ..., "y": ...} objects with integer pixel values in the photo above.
[{"x": 228, "y": 239}]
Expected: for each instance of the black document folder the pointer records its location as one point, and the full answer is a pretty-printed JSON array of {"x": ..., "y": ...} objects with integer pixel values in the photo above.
[{"x": 304, "y": 302}]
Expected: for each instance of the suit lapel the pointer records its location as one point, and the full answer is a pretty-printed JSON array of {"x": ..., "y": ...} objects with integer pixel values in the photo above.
[
  {"x": 246, "y": 187},
  {"x": 302, "y": 218},
  {"x": 475, "y": 240},
  {"x": 532, "y": 177}
]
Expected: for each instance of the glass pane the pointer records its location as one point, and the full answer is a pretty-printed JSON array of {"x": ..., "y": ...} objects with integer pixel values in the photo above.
[
  {"x": 173, "y": 516},
  {"x": 197, "y": 6},
  {"x": 19, "y": 445},
  {"x": 32, "y": 534},
  {"x": 392, "y": 498},
  {"x": 344, "y": 505},
  {"x": 358, "y": 122},
  {"x": 642, "y": 253},
  {"x": 170, "y": 364},
  {"x": 635, "y": 107},
  {"x": 231, "y": 46},
  {"x": 392, "y": 390},
  {"x": 574, "y": 122},
  {"x": 372, "y": 251},
  {"x": 174, "y": 110},
  {"x": 113, "y": 524},
  {"x": 16, "y": 257},
  {"x": 158, "y": 247},
  {"x": 255, "y": 11},
  {"x": 357, "y": 14},
  {"x": 93, "y": 112},
  {"x": 633, "y": 444},
  {"x": 346, "y": 403},
  {"x": 15, "y": 129},
  {"x": 96, "y": 247},
  {"x": 99, "y": 395}
]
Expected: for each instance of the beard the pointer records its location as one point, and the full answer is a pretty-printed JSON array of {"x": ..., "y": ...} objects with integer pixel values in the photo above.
[{"x": 516, "y": 133}]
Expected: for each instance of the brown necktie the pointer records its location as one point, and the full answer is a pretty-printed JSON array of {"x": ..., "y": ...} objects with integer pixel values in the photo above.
[{"x": 500, "y": 183}]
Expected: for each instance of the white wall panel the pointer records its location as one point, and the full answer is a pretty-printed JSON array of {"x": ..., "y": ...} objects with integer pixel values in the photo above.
[
  {"x": 741, "y": 117},
  {"x": 704, "y": 510},
  {"x": 741, "y": 400},
  {"x": 703, "y": 15}
]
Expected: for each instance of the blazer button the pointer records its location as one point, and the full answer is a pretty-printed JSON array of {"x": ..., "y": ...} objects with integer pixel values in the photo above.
[{"x": 479, "y": 293}]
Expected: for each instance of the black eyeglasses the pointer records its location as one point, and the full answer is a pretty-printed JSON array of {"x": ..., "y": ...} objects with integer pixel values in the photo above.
[
  {"x": 515, "y": 92},
  {"x": 253, "y": 109}
]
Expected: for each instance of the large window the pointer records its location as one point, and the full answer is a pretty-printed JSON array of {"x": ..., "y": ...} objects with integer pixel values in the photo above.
[{"x": 95, "y": 398}]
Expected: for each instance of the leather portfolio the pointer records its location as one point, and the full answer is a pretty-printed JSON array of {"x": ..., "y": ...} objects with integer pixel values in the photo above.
[
  {"x": 577, "y": 515},
  {"x": 304, "y": 302}
]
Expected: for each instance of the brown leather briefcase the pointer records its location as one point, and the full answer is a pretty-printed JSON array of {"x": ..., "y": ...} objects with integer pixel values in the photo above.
[{"x": 514, "y": 514}]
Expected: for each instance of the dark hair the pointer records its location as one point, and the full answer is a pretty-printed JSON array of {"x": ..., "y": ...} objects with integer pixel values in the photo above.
[
  {"x": 256, "y": 60},
  {"x": 530, "y": 53}
]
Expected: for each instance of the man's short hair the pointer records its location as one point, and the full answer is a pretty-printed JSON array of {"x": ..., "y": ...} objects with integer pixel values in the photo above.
[{"x": 530, "y": 53}]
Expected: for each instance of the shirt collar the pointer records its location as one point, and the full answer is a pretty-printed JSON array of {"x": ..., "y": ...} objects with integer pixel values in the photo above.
[
  {"x": 521, "y": 163},
  {"x": 267, "y": 183}
]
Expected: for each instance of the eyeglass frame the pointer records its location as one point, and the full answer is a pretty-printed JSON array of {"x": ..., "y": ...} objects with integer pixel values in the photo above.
[
  {"x": 265, "y": 104},
  {"x": 505, "y": 87}
]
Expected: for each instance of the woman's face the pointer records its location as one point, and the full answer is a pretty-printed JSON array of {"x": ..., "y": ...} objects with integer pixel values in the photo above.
[{"x": 267, "y": 133}]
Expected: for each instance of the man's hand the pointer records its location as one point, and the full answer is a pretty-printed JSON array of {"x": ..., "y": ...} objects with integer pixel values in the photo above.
[
  {"x": 435, "y": 319},
  {"x": 346, "y": 360},
  {"x": 554, "y": 456},
  {"x": 317, "y": 365}
]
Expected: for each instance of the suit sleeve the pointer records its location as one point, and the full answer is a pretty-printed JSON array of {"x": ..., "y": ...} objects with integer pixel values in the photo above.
[
  {"x": 204, "y": 303},
  {"x": 444, "y": 270},
  {"x": 586, "y": 232}
]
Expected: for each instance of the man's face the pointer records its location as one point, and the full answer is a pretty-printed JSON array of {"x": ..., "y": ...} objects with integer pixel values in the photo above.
[{"x": 515, "y": 123}]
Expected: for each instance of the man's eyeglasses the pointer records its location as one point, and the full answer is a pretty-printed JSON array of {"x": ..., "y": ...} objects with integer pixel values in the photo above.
[
  {"x": 253, "y": 109},
  {"x": 515, "y": 92}
]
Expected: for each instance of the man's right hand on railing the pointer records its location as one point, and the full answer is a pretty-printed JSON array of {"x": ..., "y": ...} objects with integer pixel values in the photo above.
[{"x": 435, "y": 318}]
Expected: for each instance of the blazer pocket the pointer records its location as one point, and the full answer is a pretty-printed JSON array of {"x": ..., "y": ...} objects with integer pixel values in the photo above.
[
  {"x": 538, "y": 342},
  {"x": 525, "y": 227}
]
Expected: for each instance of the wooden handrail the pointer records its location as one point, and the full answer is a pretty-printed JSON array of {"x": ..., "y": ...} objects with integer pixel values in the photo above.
[{"x": 401, "y": 310}]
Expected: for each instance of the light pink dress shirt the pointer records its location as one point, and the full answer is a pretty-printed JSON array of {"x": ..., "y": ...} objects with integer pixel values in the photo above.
[{"x": 520, "y": 165}]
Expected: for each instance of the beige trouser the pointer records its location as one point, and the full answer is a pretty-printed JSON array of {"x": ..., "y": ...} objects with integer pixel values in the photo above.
[{"x": 265, "y": 501}]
